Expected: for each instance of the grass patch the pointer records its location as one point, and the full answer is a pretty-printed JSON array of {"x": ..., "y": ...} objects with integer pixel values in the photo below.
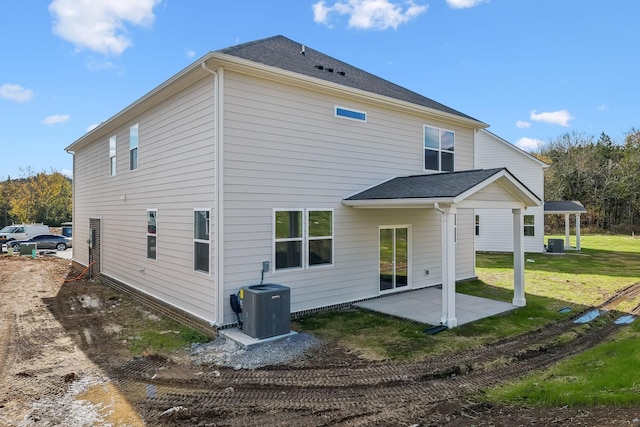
[
  {"x": 606, "y": 265},
  {"x": 602, "y": 375},
  {"x": 155, "y": 335}
]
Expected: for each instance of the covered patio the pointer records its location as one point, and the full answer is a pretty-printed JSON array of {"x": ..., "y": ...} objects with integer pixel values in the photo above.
[
  {"x": 423, "y": 306},
  {"x": 567, "y": 208},
  {"x": 447, "y": 192}
]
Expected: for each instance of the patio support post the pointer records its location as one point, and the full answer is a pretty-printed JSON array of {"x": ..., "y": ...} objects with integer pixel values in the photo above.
[
  {"x": 567, "y": 229},
  {"x": 447, "y": 222},
  {"x": 578, "y": 231},
  {"x": 518, "y": 259}
]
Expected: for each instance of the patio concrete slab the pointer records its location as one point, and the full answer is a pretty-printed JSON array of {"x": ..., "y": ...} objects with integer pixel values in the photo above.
[{"x": 423, "y": 306}]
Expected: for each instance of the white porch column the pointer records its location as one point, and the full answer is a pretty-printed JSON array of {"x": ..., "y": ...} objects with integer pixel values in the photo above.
[
  {"x": 578, "y": 231},
  {"x": 567, "y": 229},
  {"x": 447, "y": 222},
  {"x": 518, "y": 259}
]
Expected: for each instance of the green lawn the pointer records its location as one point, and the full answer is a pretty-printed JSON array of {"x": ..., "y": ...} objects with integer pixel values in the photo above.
[{"x": 606, "y": 265}]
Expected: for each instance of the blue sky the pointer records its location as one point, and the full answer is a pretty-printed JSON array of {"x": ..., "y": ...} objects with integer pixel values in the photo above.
[{"x": 532, "y": 69}]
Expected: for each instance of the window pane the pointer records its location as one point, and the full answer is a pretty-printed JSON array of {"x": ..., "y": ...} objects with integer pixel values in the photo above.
[
  {"x": 431, "y": 138},
  {"x": 151, "y": 247},
  {"x": 447, "y": 162},
  {"x": 320, "y": 251},
  {"x": 133, "y": 159},
  {"x": 151, "y": 222},
  {"x": 446, "y": 140},
  {"x": 288, "y": 254},
  {"x": 113, "y": 166},
  {"x": 529, "y": 230},
  {"x": 201, "y": 256},
  {"x": 320, "y": 224},
  {"x": 529, "y": 220},
  {"x": 201, "y": 225},
  {"x": 288, "y": 224},
  {"x": 133, "y": 136},
  {"x": 431, "y": 160}
]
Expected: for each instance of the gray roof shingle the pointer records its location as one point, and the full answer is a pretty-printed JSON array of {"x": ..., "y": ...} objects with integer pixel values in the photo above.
[
  {"x": 281, "y": 52},
  {"x": 440, "y": 185},
  {"x": 563, "y": 206}
]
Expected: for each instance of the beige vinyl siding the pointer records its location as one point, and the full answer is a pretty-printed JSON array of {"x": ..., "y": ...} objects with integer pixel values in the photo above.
[
  {"x": 496, "y": 229},
  {"x": 175, "y": 175},
  {"x": 285, "y": 149}
]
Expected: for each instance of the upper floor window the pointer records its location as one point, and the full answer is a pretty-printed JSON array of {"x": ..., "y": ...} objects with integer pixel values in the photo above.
[
  {"x": 477, "y": 225},
  {"x": 351, "y": 114},
  {"x": 133, "y": 147},
  {"x": 438, "y": 149},
  {"x": 529, "y": 225},
  {"x": 112, "y": 155}
]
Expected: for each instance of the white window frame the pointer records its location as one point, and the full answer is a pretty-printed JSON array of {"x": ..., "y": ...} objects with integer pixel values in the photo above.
[
  {"x": 112, "y": 155},
  {"x": 152, "y": 234},
  {"x": 304, "y": 239},
  {"x": 439, "y": 150},
  {"x": 342, "y": 116},
  {"x": 134, "y": 142},
  {"x": 301, "y": 239},
  {"x": 308, "y": 238},
  {"x": 196, "y": 240},
  {"x": 531, "y": 226}
]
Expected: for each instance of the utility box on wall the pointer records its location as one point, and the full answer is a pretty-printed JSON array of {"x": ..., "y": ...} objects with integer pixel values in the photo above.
[{"x": 267, "y": 310}]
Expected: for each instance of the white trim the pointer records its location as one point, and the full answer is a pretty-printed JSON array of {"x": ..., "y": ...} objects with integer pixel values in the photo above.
[
  {"x": 308, "y": 238},
  {"x": 194, "y": 240},
  {"x": 409, "y": 257},
  {"x": 152, "y": 234},
  {"x": 440, "y": 150},
  {"x": 274, "y": 240},
  {"x": 218, "y": 118}
]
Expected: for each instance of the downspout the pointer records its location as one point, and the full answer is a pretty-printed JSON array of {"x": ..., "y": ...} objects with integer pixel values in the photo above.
[{"x": 218, "y": 177}]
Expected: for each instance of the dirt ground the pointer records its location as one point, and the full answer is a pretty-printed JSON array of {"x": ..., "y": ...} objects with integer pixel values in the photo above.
[{"x": 64, "y": 362}]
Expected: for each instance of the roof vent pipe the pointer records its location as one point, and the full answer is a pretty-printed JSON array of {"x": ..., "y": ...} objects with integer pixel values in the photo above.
[{"x": 302, "y": 50}]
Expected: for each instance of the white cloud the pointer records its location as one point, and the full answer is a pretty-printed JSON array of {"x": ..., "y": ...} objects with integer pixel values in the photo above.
[
  {"x": 523, "y": 125},
  {"x": 190, "y": 53},
  {"x": 95, "y": 65},
  {"x": 561, "y": 117},
  {"x": 464, "y": 4},
  {"x": 603, "y": 107},
  {"x": 528, "y": 144},
  {"x": 369, "y": 14},
  {"x": 55, "y": 119},
  {"x": 15, "y": 93},
  {"x": 100, "y": 25}
]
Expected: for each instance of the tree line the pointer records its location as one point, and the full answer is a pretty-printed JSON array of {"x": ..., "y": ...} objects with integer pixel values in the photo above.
[
  {"x": 42, "y": 197},
  {"x": 598, "y": 172}
]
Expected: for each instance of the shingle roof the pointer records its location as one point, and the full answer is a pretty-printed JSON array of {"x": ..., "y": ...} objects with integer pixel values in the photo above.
[
  {"x": 281, "y": 52},
  {"x": 563, "y": 206},
  {"x": 440, "y": 185}
]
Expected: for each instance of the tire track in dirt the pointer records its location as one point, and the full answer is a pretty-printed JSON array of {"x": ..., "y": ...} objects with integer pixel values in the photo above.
[{"x": 376, "y": 394}]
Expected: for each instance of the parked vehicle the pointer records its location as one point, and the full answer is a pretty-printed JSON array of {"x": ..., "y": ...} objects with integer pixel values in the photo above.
[
  {"x": 44, "y": 241},
  {"x": 67, "y": 229},
  {"x": 21, "y": 232}
]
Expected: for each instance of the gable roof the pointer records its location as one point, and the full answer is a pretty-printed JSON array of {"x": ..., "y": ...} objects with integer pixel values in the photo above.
[
  {"x": 515, "y": 148},
  {"x": 281, "y": 52},
  {"x": 269, "y": 55},
  {"x": 450, "y": 187}
]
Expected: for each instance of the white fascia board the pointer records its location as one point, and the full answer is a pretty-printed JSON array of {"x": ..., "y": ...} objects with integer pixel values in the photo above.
[{"x": 395, "y": 203}]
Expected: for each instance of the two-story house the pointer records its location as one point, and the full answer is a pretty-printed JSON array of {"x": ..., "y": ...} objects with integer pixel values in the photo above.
[{"x": 344, "y": 185}]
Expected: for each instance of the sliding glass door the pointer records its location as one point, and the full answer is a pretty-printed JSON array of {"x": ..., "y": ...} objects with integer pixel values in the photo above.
[{"x": 394, "y": 258}]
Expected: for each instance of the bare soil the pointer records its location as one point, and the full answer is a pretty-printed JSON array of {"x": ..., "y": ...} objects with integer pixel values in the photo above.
[{"x": 64, "y": 362}]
